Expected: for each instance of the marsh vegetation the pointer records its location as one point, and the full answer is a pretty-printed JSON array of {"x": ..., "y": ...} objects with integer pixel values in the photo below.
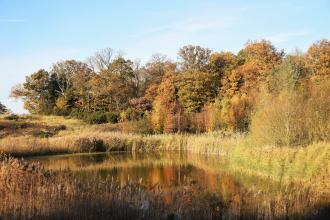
[
  {"x": 148, "y": 186},
  {"x": 212, "y": 136}
]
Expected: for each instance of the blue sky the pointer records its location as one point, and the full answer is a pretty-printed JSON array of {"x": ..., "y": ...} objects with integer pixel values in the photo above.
[{"x": 35, "y": 34}]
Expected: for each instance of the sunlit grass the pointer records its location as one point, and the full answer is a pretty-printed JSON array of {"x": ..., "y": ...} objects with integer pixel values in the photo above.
[
  {"x": 284, "y": 164},
  {"x": 30, "y": 192}
]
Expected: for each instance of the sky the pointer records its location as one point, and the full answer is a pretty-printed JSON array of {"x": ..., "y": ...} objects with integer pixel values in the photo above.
[{"x": 35, "y": 34}]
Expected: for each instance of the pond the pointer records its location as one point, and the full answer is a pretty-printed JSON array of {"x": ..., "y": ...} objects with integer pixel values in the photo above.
[{"x": 205, "y": 184}]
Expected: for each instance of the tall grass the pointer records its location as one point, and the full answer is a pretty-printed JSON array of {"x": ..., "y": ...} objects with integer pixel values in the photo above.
[
  {"x": 282, "y": 164},
  {"x": 29, "y": 192},
  {"x": 306, "y": 163}
]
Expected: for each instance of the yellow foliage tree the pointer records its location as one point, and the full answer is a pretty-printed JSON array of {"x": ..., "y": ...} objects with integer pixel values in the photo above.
[
  {"x": 235, "y": 112},
  {"x": 318, "y": 59}
]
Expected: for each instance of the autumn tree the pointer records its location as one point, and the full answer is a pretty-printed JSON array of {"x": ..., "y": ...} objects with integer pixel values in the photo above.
[
  {"x": 282, "y": 114},
  {"x": 221, "y": 64},
  {"x": 286, "y": 76},
  {"x": 101, "y": 60},
  {"x": 235, "y": 113},
  {"x": 114, "y": 86},
  {"x": 72, "y": 85},
  {"x": 202, "y": 91},
  {"x": 298, "y": 63},
  {"x": 156, "y": 69},
  {"x": 167, "y": 114},
  {"x": 255, "y": 64},
  {"x": 195, "y": 89},
  {"x": 38, "y": 92},
  {"x": 194, "y": 58},
  {"x": 82, "y": 89},
  {"x": 318, "y": 59}
]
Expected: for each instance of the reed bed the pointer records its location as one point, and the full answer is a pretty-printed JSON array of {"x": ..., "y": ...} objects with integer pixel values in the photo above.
[
  {"x": 23, "y": 192},
  {"x": 310, "y": 163},
  {"x": 27, "y": 191}
]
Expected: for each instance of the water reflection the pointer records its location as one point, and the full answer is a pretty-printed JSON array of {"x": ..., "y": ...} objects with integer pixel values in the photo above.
[
  {"x": 151, "y": 169},
  {"x": 242, "y": 194},
  {"x": 164, "y": 169}
]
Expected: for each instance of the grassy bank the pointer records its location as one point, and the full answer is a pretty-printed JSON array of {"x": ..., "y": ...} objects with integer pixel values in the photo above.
[{"x": 310, "y": 163}]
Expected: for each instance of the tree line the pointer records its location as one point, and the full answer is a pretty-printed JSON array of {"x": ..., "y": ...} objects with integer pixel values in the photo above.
[{"x": 201, "y": 91}]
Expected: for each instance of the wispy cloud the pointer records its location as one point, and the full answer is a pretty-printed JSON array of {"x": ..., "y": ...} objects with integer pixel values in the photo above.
[
  {"x": 12, "y": 20},
  {"x": 212, "y": 20},
  {"x": 200, "y": 27},
  {"x": 287, "y": 36},
  {"x": 189, "y": 26}
]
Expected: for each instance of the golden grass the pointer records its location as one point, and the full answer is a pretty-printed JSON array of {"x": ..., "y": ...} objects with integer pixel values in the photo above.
[
  {"x": 310, "y": 164},
  {"x": 29, "y": 192}
]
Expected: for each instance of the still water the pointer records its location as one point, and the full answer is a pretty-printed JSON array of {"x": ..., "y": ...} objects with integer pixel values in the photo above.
[{"x": 208, "y": 177}]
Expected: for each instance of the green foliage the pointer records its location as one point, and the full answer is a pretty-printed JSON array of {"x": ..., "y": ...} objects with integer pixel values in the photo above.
[
  {"x": 112, "y": 117},
  {"x": 12, "y": 117},
  {"x": 96, "y": 118},
  {"x": 18, "y": 125},
  {"x": 196, "y": 89}
]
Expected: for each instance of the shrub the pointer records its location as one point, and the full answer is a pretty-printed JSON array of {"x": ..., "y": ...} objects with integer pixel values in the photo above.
[
  {"x": 60, "y": 128},
  {"x": 18, "y": 125},
  {"x": 12, "y": 117},
  {"x": 77, "y": 114},
  {"x": 87, "y": 145},
  {"x": 317, "y": 108},
  {"x": 235, "y": 113},
  {"x": 142, "y": 126},
  {"x": 112, "y": 117},
  {"x": 96, "y": 117},
  {"x": 280, "y": 121},
  {"x": 212, "y": 115},
  {"x": 295, "y": 115},
  {"x": 43, "y": 134}
]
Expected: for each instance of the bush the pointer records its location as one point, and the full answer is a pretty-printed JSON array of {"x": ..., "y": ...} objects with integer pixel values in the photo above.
[
  {"x": 18, "y": 125},
  {"x": 130, "y": 115},
  {"x": 12, "y": 117},
  {"x": 88, "y": 145},
  {"x": 112, "y": 117},
  {"x": 142, "y": 126},
  {"x": 77, "y": 114},
  {"x": 235, "y": 113},
  {"x": 60, "y": 128},
  {"x": 279, "y": 121},
  {"x": 97, "y": 118},
  {"x": 294, "y": 117}
]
